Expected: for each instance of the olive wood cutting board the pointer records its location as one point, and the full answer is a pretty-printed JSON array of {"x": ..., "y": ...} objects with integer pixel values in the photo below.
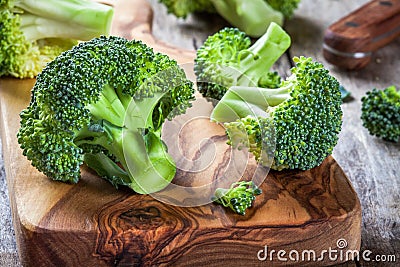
[{"x": 93, "y": 224}]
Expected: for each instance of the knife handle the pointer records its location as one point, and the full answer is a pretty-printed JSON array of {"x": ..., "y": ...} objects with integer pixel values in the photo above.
[{"x": 349, "y": 42}]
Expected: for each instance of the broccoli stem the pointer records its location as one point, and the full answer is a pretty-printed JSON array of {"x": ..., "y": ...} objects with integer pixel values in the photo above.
[
  {"x": 241, "y": 101},
  {"x": 143, "y": 158},
  {"x": 263, "y": 54},
  {"x": 148, "y": 162},
  {"x": 75, "y": 19},
  {"x": 112, "y": 102},
  {"x": 146, "y": 166},
  {"x": 252, "y": 17},
  {"x": 107, "y": 168}
]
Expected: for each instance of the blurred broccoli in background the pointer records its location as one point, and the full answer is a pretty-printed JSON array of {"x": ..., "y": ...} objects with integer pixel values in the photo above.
[
  {"x": 251, "y": 16},
  {"x": 286, "y": 7},
  {"x": 182, "y": 8},
  {"x": 380, "y": 113},
  {"x": 33, "y": 33}
]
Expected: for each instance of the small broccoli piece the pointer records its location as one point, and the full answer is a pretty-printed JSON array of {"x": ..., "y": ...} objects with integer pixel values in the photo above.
[
  {"x": 33, "y": 33},
  {"x": 104, "y": 103},
  {"x": 380, "y": 113},
  {"x": 295, "y": 126},
  {"x": 251, "y": 16},
  {"x": 182, "y": 8},
  {"x": 239, "y": 197},
  {"x": 227, "y": 59},
  {"x": 346, "y": 95}
]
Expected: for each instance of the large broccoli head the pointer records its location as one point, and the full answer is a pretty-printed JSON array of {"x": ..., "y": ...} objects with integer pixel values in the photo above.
[
  {"x": 104, "y": 102},
  {"x": 301, "y": 119}
]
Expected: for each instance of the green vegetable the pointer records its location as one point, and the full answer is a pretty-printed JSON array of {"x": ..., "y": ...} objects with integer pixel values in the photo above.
[
  {"x": 227, "y": 59},
  {"x": 104, "y": 103},
  {"x": 380, "y": 113},
  {"x": 182, "y": 8},
  {"x": 239, "y": 197},
  {"x": 286, "y": 7},
  {"x": 33, "y": 33},
  {"x": 346, "y": 95},
  {"x": 295, "y": 126},
  {"x": 250, "y": 16}
]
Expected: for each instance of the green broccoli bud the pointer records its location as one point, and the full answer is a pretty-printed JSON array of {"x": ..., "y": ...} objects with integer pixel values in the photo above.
[
  {"x": 239, "y": 197},
  {"x": 270, "y": 80},
  {"x": 299, "y": 121},
  {"x": 104, "y": 103},
  {"x": 227, "y": 59},
  {"x": 380, "y": 113}
]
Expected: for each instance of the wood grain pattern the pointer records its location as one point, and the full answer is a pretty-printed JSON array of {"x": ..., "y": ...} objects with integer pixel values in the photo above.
[{"x": 93, "y": 224}]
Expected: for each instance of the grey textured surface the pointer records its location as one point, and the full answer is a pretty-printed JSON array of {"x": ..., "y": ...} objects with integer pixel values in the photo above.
[{"x": 8, "y": 248}]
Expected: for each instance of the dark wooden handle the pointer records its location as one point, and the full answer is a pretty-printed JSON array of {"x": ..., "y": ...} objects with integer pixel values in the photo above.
[{"x": 349, "y": 42}]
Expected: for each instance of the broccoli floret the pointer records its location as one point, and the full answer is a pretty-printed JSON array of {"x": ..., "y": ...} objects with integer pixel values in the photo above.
[
  {"x": 251, "y": 16},
  {"x": 295, "y": 126},
  {"x": 104, "y": 103},
  {"x": 182, "y": 8},
  {"x": 239, "y": 197},
  {"x": 227, "y": 59},
  {"x": 380, "y": 113},
  {"x": 33, "y": 33}
]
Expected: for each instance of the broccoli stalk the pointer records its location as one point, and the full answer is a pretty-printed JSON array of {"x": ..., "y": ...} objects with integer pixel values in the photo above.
[
  {"x": 33, "y": 33},
  {"x": 104, "y": 103},
  {"x": 239, "y": 197},
  {"x": 251, "y": 16},
  {"x": 227, "y": 59},
  {"x": 144, "y": 155},
  {"x": 380, "y": 113},
  {"x": 295, "y": 126},
  {"x": 75, "y": 19}
]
